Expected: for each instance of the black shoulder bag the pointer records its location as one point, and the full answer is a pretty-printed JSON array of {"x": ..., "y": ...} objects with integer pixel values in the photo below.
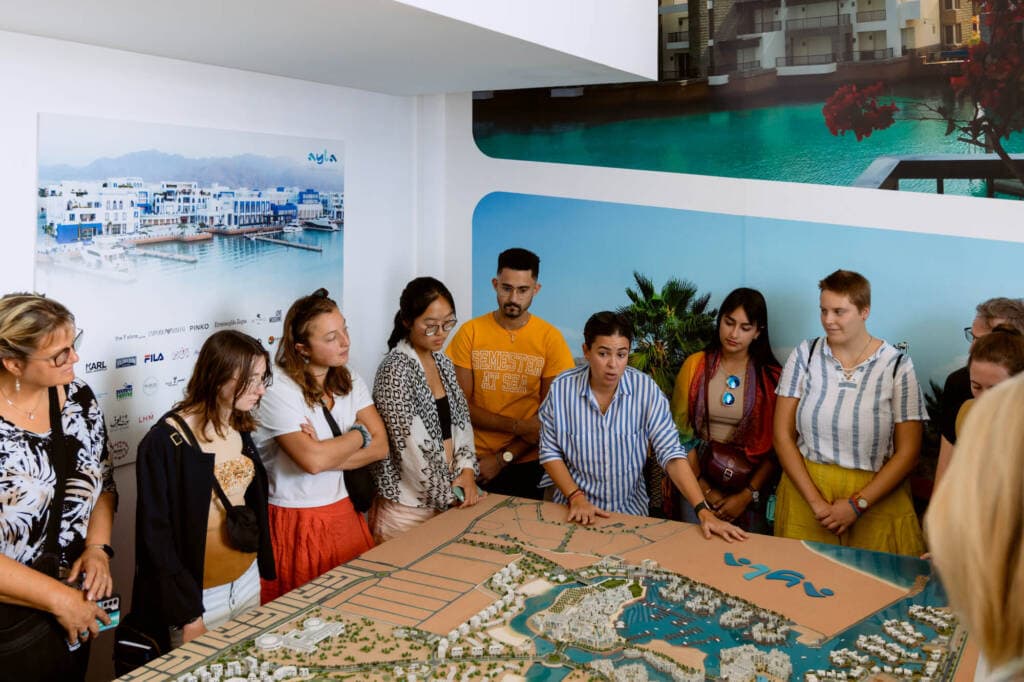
[
  {"x": 242, "y": 527},
  {"x": 21, "y": 626},
  {"x": 360, "y": 483}
]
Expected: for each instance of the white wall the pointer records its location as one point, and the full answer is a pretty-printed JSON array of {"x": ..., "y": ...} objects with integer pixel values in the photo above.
[
  {"x": 609, "y": 32},
  {"x": 378, "y": 131}
]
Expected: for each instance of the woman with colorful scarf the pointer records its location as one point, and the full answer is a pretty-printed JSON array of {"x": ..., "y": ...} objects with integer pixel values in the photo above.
[{"x": 723, "y": 405}]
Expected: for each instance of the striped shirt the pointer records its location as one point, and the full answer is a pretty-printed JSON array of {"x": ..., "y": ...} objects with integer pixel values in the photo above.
[
  {"x": 850, "y": 422},
  {"x": 605, "y": 453}
]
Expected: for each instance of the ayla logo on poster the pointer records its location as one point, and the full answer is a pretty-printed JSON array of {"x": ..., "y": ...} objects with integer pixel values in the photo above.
[
  {"x": 322, "y": 158},
  {"x": 98, "y": 366},
  {"x": 153, "y": 357}
]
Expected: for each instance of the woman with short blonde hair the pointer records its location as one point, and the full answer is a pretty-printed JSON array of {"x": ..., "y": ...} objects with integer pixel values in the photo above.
[{"x": 975, "y": 524}]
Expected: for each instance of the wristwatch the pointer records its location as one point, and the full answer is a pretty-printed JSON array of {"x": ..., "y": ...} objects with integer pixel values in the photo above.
[
  {"x": 755, "y": 495},
  {"x": 506, "y": 457},
  {"x": 859, "y": 503},
  {"x": 701, "y": 506}
]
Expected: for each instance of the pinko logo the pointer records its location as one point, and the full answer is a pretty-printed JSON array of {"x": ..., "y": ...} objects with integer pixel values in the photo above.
[{"x": 322, "y": 158}]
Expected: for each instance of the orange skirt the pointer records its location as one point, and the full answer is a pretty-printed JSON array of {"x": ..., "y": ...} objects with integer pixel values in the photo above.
[{"x": 310, "y": 541}]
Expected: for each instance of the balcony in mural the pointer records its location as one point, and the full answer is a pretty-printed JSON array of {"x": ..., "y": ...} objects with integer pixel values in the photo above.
[
  {"x": 871, "y": 15},
  {"x": 819, "y": 24},
  {"x": 677, "y": 40}
]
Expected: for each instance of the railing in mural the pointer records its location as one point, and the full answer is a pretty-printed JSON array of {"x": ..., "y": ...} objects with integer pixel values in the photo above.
[
  {"x": 871, "y": 15},
  {"x": 678, "y": 36},
  {"x": 806, "y": 59},
  {"x": 874, "y": 55},
  {"x": 811, "y": 23},
  {"x": 885, "y": 172}
]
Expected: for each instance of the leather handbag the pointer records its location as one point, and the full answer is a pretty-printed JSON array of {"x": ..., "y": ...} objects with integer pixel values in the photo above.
[
  {"x": 725, "y": 466},
  {"x": 360, "y": 483}
]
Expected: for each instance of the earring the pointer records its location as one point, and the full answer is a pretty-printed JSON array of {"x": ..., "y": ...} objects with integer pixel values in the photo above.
[
  {"x": 17, "y": 385},
  {"x": 305, "y": 359}
]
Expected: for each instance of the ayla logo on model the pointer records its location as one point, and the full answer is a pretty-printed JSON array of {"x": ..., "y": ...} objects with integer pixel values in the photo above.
[{"x": 322, "y": 158}]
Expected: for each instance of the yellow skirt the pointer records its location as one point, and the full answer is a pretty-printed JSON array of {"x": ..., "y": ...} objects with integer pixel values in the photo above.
[{"x": 889, "y": 525}]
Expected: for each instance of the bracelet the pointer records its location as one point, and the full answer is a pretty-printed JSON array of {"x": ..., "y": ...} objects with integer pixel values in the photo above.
[
  {"x": 107, "y": 549},
  {"x": 701, "y": 506},
  {"x": 574, "y": 493},
  {"x": 853, "y": 504},
  {"x": 364, "y": 432}
]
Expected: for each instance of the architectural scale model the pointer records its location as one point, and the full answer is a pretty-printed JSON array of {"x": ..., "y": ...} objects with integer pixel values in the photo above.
[{"x": 506, "y": 590}]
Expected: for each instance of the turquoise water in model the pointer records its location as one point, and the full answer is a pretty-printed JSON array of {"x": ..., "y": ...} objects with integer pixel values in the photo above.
[
  {"x": 657, "y": 618},
  {"x": 787, "y": 142}
]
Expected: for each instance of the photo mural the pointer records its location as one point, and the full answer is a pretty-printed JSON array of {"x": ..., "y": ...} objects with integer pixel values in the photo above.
[
  {"x": 156, "y": 236},
  {"x": 915, "y": 96},
  {"x": 589, "y": 251}
]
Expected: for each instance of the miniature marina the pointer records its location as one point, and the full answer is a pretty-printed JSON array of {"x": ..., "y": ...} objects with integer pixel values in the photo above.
[{"x": 517, "y": 609}]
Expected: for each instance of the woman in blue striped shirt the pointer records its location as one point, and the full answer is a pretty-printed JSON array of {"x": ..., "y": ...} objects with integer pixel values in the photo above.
[
  {"x": 848, "y": 424},
  {"x": 597, "y": 424}
]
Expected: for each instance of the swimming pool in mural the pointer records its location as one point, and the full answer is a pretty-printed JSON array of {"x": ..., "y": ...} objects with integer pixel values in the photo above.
[{"x": 787, "y": 142}]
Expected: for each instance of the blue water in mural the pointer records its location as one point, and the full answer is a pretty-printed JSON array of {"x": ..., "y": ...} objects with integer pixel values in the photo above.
[
  {"x": 787, "y": 142},
  {"x": 225, "y": 268}
]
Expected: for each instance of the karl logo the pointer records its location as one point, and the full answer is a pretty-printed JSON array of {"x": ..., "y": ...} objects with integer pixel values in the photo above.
[
  {"x": 127, "y": 361},
  {"x": 98, "y": 366},
  {"x": 791, "y": 578},
  {"x": 118, "y": 450},
  {"x": 124, "y": 392},
  {"x": 153, "y": 357},
  {"x": 150, "y": 386},
  {"x": 322, "y": 158}
]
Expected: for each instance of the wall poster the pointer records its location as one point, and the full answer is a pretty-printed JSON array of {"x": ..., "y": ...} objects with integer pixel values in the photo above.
[{"x": 156, "y": 236}]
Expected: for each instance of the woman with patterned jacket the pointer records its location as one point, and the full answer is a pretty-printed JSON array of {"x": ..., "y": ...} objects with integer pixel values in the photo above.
[{"x": 432, "y": 463}]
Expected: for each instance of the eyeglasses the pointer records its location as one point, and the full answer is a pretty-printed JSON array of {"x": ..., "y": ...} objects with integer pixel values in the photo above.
[
  {"x": 61, "y": 358},
  {"x": 732, "y": 381},
  {"x": 969, "y": 334},
  {"x": 434, "y": 329}
]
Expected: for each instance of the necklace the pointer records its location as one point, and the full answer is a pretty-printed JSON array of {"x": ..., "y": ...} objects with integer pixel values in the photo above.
[
  {"x": 848, "y": 373},
  {"x": 31, "y": 414}
]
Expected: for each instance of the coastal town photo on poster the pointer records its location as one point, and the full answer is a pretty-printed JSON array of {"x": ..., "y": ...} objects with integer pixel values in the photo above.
[{"x": 156, "y": 236}]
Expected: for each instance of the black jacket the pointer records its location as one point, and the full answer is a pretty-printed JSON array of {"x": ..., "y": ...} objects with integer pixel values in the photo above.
[{"x": 171, "y": 516}]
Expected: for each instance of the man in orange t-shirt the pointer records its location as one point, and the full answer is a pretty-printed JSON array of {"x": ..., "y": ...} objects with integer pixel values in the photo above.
[{"x": 505, "y": 362}]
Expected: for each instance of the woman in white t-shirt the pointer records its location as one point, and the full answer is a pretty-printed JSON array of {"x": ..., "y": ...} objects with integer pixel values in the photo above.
[{"x": 314, "y": 526}]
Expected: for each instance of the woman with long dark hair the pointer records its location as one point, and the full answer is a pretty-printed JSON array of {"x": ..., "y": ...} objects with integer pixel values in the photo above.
[
  {"x": 197, "y": 462},
  {"x": 54, "y": 555},
  {"x": 313, "y": 522},
  {"x": 433, "y": 462},
  {"x": 723, "y": 405}
]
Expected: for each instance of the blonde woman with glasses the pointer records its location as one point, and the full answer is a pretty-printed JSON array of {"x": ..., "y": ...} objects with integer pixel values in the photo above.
[
  {"x": 974, "y": 527},
  {"x": 53, "y": 455}
]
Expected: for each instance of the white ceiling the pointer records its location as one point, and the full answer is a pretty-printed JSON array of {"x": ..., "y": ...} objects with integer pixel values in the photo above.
[{"x": 378, "y": 45}]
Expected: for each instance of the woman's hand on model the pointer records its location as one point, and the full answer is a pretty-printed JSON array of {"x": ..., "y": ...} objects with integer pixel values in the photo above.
[
  {"x": 192, "y": 630},
  {"x": 839, "y": 517},
  {"x": 77, "y": 614},
  {"x": 712, "y": 525},
  {"x": 467, "y": 481},
  {"x": 94, "y": 566},
  {"x": 731, "y": 506},
  {"x": 582, "y": 511}
]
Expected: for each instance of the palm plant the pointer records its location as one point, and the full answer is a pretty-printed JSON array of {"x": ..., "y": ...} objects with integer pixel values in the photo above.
[{"x": 668, "y": 325}]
